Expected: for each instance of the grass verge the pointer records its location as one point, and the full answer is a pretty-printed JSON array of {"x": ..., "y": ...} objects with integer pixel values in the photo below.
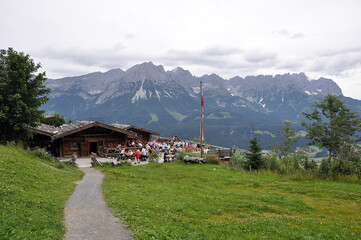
[
  {"x": 179, "y": 201},
  {"x": 32, "y": 196}
]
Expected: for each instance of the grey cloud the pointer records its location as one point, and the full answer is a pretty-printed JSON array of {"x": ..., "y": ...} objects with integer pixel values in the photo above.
[
  {"x": 336, "y": 61},
  {"x": 287, "y": 33},
  {"x": 129, "y": 36},
  {"x": 223, "y": 60},
  {"x": 215, "y": 56},
  {"x": 258, "y": 55},
  {"x": 284, "y": 32},
  {"x": 297, "y": 35},
  {"x": 292, "y": 64},
  {"x": 112, "y": 56},
  {"x": 337, "y": 51},
  {"x": 221, "y": 51}
]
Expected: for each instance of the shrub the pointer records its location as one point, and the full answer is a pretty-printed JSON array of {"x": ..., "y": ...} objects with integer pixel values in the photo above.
[
  {"x": 40, "y": 153},
  {"x": 15, "y": 145},
  {"x": 272, "y": 162},
  {"x": 181, "y": 155},
  {"x": 153, "y": 157},
  {"x": 309, "y": 165},
  {"x": 236, "y": 161},
  {"x": 212, "y": 159},
  {"x": 124, "y": 164},
  {"x": 324, "y": 168},
  {"x": 60, "y": 166}
]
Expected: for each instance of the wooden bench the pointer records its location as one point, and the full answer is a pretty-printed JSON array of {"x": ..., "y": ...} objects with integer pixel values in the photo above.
[{"x": 223, "y": 154}]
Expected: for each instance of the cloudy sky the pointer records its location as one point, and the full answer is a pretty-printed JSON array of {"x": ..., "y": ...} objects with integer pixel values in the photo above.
[{"x": 226, "y": 37}]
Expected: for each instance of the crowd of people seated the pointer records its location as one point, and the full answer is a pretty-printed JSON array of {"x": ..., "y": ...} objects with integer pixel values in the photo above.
[{"x": 139, "y": 151}]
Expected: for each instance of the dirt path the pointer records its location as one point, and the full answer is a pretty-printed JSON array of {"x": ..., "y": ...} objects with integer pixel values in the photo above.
[{"x": 86, "y": 213}]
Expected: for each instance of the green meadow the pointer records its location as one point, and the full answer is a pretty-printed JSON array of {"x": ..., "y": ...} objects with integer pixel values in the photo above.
[
  {"x": 179, "y": 201},
  {"x": 32, "y": 196}
]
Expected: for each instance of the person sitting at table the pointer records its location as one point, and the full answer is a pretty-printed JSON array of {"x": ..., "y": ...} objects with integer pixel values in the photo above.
[
  {"x": 129, "y": 153},
  {"x": 122, "y": 153}
]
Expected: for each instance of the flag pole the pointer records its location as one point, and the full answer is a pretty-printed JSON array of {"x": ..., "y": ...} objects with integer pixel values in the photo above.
[{"x": 202, "y": 120}]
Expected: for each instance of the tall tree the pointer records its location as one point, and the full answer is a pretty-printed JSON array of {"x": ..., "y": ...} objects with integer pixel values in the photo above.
[
  {"x": 333, "y": 125},
  {"x": 289, "y": 138},
  {"x": 22, "y": 92},
  {"x": 254, "y": 156}
]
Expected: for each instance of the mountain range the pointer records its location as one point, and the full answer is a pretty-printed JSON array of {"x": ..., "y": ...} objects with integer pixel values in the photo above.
[{"x": 169, "y": 101}]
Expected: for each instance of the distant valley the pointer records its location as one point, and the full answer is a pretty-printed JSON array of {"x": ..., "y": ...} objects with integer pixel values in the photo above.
[{"x": 169, "y": 102}]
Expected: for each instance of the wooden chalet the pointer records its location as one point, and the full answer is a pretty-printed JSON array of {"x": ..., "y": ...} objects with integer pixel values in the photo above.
[
  {"x": 84, "y": 137},
  {"x": 143, "y": 135}
]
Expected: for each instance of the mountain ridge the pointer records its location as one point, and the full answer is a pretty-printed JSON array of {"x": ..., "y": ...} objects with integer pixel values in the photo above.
[{"x": 168, "y": 101}]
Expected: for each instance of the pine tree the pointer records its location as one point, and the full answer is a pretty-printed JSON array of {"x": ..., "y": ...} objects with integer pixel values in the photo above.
[{"x": 254, "y": 157}]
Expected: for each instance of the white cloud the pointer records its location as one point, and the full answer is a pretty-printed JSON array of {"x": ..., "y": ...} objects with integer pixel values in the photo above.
[{"x": 231, "y": 37}]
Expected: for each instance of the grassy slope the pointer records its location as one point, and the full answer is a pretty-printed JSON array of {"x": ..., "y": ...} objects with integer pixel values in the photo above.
[
  {"x": 177, "y": 201},
  {"x": 32, "y": 197}
]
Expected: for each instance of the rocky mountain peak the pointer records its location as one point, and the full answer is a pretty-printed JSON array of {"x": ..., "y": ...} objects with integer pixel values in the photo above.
[
  {"x": 114, "y": 73},
  {"x": 147, "y": 67},
  {"x": 145, "y": 71},
  {"x": 181, "y": 71}
]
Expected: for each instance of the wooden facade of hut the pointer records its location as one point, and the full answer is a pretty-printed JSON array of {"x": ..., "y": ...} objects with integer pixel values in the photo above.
[
  {"x": 143, "y": 135},
  {"x": 85, "y": 137}
]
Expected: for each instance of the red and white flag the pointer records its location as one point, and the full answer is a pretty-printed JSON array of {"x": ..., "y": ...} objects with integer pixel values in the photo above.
[{"x": 202, "y": 115}]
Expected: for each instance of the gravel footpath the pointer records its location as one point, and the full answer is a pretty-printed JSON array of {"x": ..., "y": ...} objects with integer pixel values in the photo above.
[{"x": 86, "y": 213}]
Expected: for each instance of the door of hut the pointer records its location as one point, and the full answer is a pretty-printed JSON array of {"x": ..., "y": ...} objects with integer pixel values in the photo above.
[
  {"x": 84, "y": 149},
  {"x": 93, "y": 147}
]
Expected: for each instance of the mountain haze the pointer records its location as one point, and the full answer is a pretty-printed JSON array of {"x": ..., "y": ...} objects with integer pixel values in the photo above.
[{"x": 168, "y": 101}]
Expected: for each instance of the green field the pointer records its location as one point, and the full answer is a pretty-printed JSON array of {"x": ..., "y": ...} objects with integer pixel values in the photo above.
[
  {"x": 32, "y": 196},
  {"x": 179, "y": 201}
]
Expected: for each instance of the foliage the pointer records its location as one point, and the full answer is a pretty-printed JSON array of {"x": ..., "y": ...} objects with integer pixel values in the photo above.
[
  {"x": 237, "y": 160},
  {"x": 179, "y": 201},
  {"x": 42, "y": 154},
  {"x": 309, "y": 165},
  {"x": 57, "y": 121},
  {"x": 289, "y": 138},
  {"x": 333, "y": 126},
  {"x": 32, "y": 196},
  {"x": 180, "y": 156},
  {"x": 272, "y": 162},
  {"x": 254, "y": 156},
  {"x": 196, "y": 139},
  {"x": 212, "y": 159},
  {"x": 22, "y": 92},
  {"x": 153, "y": 157}
]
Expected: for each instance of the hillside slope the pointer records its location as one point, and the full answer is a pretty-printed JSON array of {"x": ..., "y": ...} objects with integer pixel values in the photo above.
[{"x": 32, "y": 196}]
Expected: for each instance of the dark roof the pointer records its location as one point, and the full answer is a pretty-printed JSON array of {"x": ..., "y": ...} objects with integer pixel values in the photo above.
[
  {"x": 130, "y": 127},
  {"x": 67, "y": 129}
]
